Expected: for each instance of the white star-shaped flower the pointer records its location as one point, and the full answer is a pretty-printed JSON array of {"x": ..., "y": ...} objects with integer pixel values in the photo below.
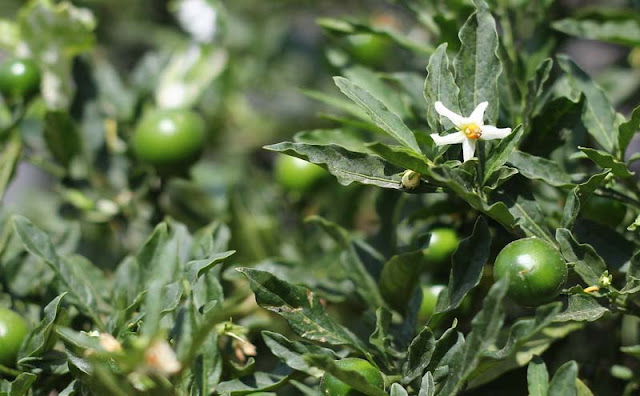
[{"x": 470, "y": 129}]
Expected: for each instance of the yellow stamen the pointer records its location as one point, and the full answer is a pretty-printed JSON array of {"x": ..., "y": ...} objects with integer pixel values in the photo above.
[
  {"x": 591, "y": 289},
  {"x": 472, "y": 131}
]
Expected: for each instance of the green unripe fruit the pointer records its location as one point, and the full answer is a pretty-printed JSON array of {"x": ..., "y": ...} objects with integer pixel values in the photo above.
[
  {"x": 19, "y": 78},
  {"x": 296, "y": 174},
  {"x": 536, "y": 270},
  {"x": 13, "y": 330},
  {"x": 169, "y": 138},
  {"x": 442, "y": 243}
]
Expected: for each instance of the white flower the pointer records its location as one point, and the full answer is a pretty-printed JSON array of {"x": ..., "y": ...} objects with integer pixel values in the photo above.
[
  {"x": 199, "y": 18},
  {"x": 470, "y": 129},
  {"x": 162, "y": 358}
]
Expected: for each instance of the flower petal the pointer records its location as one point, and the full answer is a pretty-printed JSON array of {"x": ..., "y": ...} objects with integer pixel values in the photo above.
[
  {"x": 468, "y": 149},
  {"x": 452, "y": 138},
  {"x": 477, "y": 116},
  {"x": 456, "y": 119},
  {"x": 489, "y": 132}
]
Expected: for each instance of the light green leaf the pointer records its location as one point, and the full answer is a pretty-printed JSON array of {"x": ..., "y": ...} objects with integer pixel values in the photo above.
[
  {"x": 379, "y": 113},
  {"x": 292, "y": 352},
  {"x": 427, "y": 386},
  {"x": 537, "y": 377},
  {"x": 628, "y": 129},
  {"x": 440, "y": 86},
  {"x": 350, "y": 377},
  {"x": 9, "y": 158},
  {"x": 477, "y": 65},
  {"x": 538, "y": 168},
  {"x": 581, "y": 307},
  {"x": 578, "y": 196},
  {"x": 564, "y": 380},
  {"x": 419, "y": 355},
  {"x": 619, "y": 31}
]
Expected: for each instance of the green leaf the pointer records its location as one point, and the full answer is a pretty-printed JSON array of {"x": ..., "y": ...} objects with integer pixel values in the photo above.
[
  {"x": 619, "y": 31},
  {"x": 627, "y": 130},
  {"x": 196, "y": 268},
  {"x": 538, "y": 168},
  {"x": 349, "y": 377},
  {"x": 468, "y": 262},
  {"x": 379, "y": 113},
  {"x": 345, "y": 165},
  {"x": 9, "y": 158},
  {"x": 477, "y": 64},
  {"x": 427, "y": 386},
  {"x": 381, "y": 337},
  {"x": 258, "y": 382},
  {"x": 36, "y": 242},
  {"x": 564, "y": 380},
  {"x": 40, "y": 337},
  {"x": 300, "y": 307},
  {"x": 440, "y": 86},
  {"x": 586, "y": 261},
  {"x": 292, "y": 353},
  {"x": 607, "y": 161},
  {"x": 502, "y": 152},
  {"x": 527, "y": 338},
  {"x": 374, "y": 85},
  {"x": 536, "y": 87},
  {"x": 419, "y": 355},
  {"x": 62, "y": 136},
  {"x": 352, "y": 140},
  {"x": 398, "y": 390},
  {"x": 158, "y": 257},
  {"x": 528, "y": 214},
  {"x": 355, "y": 269},
  {"x": 598, "y": 115},
  {"x": 537, "y": 377},
  {"x": 400, "y": 277},
  {"x": 578, "y": 196},
  {"x": 54, "y": 34},
  {"x": 21, "y": 385},
  {"x": 454, "y": 179},
  {"x": 485, "y": 328},
  {"x": 581, "y": 307}
]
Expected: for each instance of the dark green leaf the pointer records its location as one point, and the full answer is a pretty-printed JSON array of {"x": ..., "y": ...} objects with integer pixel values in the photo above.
[
  {"x": 477, "y": 65},
  {"x": 355, "y": 269},
  {"x": 468, "y": 263},
  {"x": 581, "y": 307},
  {"x": 399, "y": 278},
  {"x": 419, "y": 355},
  {"x": 587, "y": 263},
  {"x": 502, "y": 152},
  {"x": 345, "y": 165},
  {"x": 36, "y": 242},
  {"x": 374, "y": 85},
  {"x": 379, "y": 113},
  {"x": 485, "y": 328},
  {"x": 300, "y": 307},
  {"x": 381, "y": 338},
  {"x": 292, "y": 353},
  {"x": 598, "y": 115},
  {"x": 628, "y": 129},
  {"x": 538, "y": 168},
  {"x": 196, "y": 268},
  {"x": 578, "y": 196},
  {"x": 258, "y": 382},
  {"x": 62, "y": 136},
  {"x": 21, "y": 385},
  {"x": 605, "y": 160},
  {"x": 40, "y": 338}
]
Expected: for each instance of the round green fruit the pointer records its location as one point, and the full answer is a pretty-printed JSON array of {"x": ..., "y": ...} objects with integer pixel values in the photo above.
[
  {"x": 296, "y": 174},
  {"x": 536, "y": 271},
  {"x": 19, "y": 78},
  {"x": 605, "y": 211},
  {"x": 169, "y": 138},
  {"x": 13, "y": 330},
  {"x": 369, "y": 49},
  {"x": 442, "y": 243},
  {"x": 429, "y": 300},
  {"x": 331, "y": 386}
]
